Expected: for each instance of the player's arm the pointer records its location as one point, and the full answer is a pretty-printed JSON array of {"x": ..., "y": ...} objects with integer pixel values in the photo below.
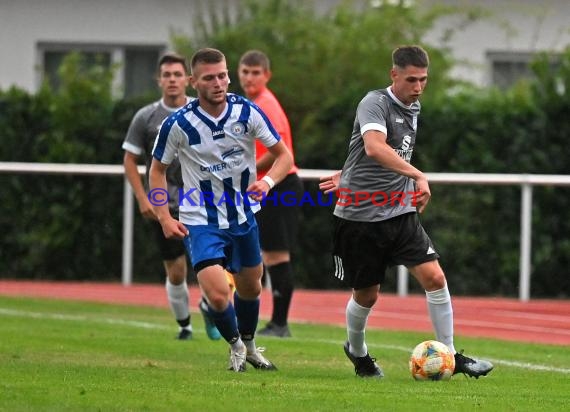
[
  {"x": 264, "y": 162},
  {"x": 279, "y": 169},
  {"x": 171, "y": 227},
  {"x": 378, "y": 149},
  {"x": 130, "y": 163}
]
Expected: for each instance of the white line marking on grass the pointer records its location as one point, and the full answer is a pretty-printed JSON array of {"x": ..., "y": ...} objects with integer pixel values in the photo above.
[
  {"x": 147, "y": 325},
  {"x": 80, "y": 318},
  {"x": 531, "y": 366}
]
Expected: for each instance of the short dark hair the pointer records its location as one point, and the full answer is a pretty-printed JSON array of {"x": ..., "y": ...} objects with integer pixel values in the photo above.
[
  {"x": 208, "y": 56},
  {"x": 172, "y": 57},
  {"x": 404, "y": 56},
  {"x": 255, "y": 58}
]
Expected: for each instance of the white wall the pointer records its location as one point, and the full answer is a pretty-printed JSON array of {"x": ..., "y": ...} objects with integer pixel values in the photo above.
[
  {"x": 515, "y": 26},
  {"x": 25, "y": 22},
  {"x": 535, "y": 24}
]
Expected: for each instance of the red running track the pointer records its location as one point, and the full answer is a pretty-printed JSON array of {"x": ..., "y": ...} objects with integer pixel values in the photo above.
[{"x": 536, "y": 321}]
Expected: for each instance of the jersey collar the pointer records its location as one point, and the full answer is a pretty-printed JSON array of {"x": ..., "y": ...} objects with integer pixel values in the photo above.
[
  {"x": 398, "y": 101},
  {"x": 173, "y": 109}
]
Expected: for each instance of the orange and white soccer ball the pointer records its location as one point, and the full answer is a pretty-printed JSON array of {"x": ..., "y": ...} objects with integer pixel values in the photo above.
[{"x": 432, "y": 361}]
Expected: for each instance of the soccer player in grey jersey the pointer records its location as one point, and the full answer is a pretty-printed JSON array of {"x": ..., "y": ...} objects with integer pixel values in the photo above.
[{"x": 376, "y": 217}]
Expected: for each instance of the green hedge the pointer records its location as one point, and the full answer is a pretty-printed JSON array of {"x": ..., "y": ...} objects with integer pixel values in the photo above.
[{"x": 62, "y": 227}]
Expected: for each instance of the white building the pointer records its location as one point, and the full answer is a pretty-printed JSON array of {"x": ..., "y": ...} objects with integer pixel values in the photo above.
[
  {"x": 35, "y": 34},
  {"x": 497, "y": 49}
]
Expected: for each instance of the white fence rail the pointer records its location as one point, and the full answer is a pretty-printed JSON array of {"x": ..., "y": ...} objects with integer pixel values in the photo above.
[{"x": 525, "y": 181}]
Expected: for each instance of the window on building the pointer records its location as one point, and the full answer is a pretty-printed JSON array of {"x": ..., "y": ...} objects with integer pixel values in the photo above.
[
  {"x": 52, "y": 61},
  {"x": 140, "y": 71},
  {"x": 509, "y": 67},
  {"x": 136, "y": 71}
]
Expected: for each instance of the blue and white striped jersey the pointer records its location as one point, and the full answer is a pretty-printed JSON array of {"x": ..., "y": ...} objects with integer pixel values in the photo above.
[{"x": 217, "y": 156}]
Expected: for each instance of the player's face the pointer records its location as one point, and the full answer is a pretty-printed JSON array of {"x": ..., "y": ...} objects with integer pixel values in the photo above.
[
  {"x": 211, "y": 82},
  {"x": 253, "y": 79},
  {"x": 173, "y": 80},
  {"x": 409, "y": 83}
]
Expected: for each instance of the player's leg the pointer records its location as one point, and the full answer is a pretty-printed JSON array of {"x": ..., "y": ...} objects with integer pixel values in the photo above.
[
  {"x": 173, "y": 256},
  {"x": 246, "y": 262},
  {"x": 357, "y": 263},
  {"x": 278, "y": 227},
  {"x": 213, "y": 283},
  {"x": 357, "y": 311},
  {"x": 177, "y": 294},
  {"x": 421, "y": 260},
  {"x": 208, "y": 247},
  {"x": 280, "y": 272},
  {"x": 216, "y": 290},
  {"x": 432, "y": 279},
  {"x": 246, "y": 301},
  {"x": 209, "y": 324},
  {"x": 414, "y": 249}
]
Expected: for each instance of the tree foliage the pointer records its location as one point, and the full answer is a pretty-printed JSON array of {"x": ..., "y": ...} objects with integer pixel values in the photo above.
[
  {"x": 323, "y": 64},
  {"x": 66, "y": 227}
]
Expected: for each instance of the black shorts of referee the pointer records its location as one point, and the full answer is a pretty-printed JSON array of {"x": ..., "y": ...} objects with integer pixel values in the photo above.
[{"x": 278, "y": 219}]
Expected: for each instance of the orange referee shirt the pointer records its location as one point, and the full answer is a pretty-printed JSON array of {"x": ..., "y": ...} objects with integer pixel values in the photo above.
[{"x": 271, "y": 107}]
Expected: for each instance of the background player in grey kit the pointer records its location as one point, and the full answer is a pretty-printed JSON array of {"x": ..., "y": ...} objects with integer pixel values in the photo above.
[
  {"x": 173, "y": 80},
  {"x": 367, "y": 237}
]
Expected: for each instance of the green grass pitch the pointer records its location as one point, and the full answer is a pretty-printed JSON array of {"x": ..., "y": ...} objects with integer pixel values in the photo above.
[{"x": 76, "y": 356}]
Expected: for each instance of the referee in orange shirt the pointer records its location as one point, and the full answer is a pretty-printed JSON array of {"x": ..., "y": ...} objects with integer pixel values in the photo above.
[{"x": 278, "y": 222}]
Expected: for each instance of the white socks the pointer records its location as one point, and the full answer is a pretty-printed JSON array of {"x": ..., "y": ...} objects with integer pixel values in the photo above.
[
  {"x": 440, "y": 311},
  {"x": 356, "y": 317},
  {"x": 239, "y": 344},
  {"x": 178, "y": 299},
  {"x": 441, "y": 314},
  {"x": 250, "y": 345}
]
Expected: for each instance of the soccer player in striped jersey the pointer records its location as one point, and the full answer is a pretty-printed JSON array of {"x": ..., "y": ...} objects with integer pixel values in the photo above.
[
  {"x": 214, "y": 137},
  {"x": 377, "y": 223},
  {"x": 172, "y": 78}
]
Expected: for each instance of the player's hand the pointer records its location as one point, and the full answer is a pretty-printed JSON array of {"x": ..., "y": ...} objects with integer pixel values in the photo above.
[
  {"x": 146, "y": 209},
  {"x": 257, "y": 190},
  {"x": 423, "y": 194},
  {"x": 173, "y": 229},
  {"x": 331, "y": 183}
]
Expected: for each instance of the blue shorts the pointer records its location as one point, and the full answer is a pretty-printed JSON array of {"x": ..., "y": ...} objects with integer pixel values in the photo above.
[{"x": 234, "y": 251}]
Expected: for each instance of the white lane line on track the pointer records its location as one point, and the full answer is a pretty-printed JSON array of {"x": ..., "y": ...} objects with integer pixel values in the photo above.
[
  {"x": 533, "y": 316},
  {"x": 479, "y": 323},
  {"x": 148, "y": 325}
]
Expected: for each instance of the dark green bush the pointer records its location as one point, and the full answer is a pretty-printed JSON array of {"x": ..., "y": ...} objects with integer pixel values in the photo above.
[{"x": 69, "y": 227}]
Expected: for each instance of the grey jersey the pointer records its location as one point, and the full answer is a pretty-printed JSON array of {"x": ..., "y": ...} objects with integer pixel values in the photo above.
[
  {"x": 368, "y": 191},
  {"x": 140, "y": 140}
]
